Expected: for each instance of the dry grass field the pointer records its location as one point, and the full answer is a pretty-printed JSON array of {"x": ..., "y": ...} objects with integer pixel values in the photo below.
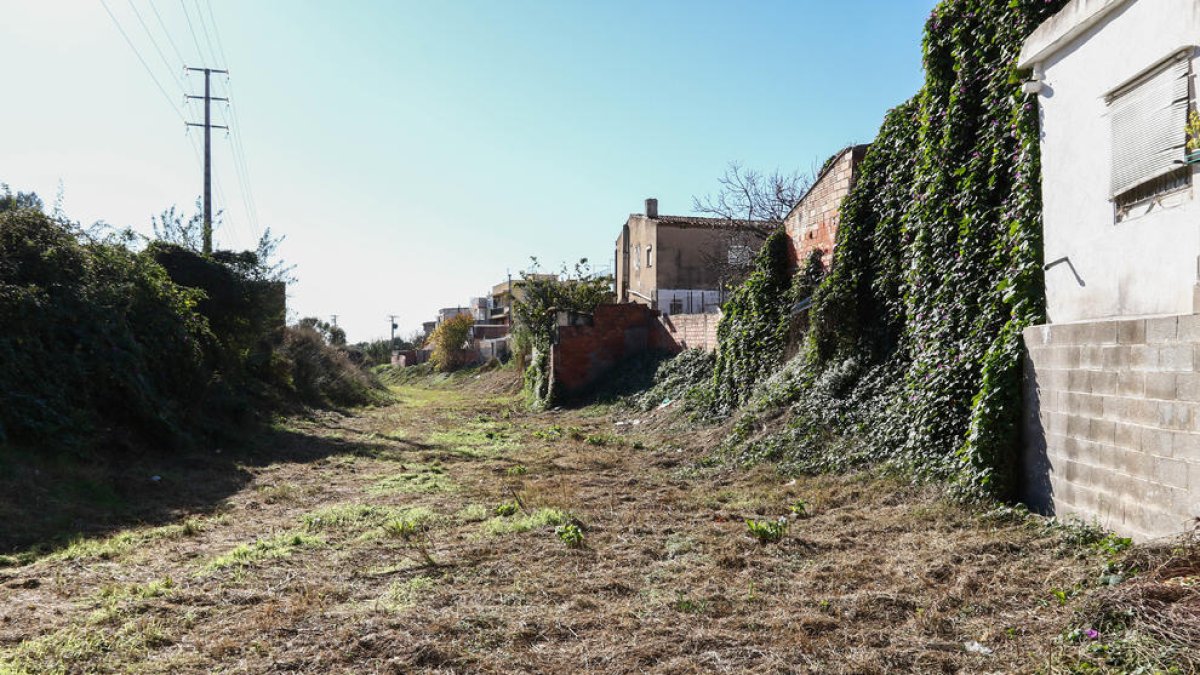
[{"x": 453, "y": 531}]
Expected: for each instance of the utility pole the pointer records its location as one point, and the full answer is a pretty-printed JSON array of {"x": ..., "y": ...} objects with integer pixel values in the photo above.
[
  {"x": 208, "y": 127},
  {"x": 392, "y": 322}
]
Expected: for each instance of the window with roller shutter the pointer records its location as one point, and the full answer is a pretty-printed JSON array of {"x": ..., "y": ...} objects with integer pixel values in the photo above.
[{"x": 1148, "y": 116}]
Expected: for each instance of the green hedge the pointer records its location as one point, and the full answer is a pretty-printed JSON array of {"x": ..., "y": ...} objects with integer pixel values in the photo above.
[
  {"x": 96, "y": 338},
  {"x": 103, "y": 346}
]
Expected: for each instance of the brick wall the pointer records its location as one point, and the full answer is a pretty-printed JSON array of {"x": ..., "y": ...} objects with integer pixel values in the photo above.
[
  {"x": 583, "y": 352},
  {"x": 692, "y": 331},
  {"x": 1112, "y": 417},
  {"x": 813, "y": 223}
]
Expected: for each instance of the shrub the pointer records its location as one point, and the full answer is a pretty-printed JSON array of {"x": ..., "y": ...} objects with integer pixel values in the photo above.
[
  {"x": 449, "y": 340},
  {"x": 96, "y": 340},
  {"x": 676, "y": 378},
  {"x": 534, "y": 315},
  {"x": 105, "y": 346},
  {"x": 753, "y": 331},
  {"x": 569, "y": 534},
  {"x": 319, "y": 374}
]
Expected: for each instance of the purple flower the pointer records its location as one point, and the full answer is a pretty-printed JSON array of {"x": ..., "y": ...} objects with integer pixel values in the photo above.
[{"x": 1092, "y": 634}]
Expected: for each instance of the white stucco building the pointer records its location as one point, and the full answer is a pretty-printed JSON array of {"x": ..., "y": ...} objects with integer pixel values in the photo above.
[
  {"x": 1112, "y": 396},
  {"x": 1122, "y": 221}
]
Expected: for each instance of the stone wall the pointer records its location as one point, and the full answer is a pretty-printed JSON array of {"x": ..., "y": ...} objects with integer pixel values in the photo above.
[
  {"x": 1112, "y": 417},
  {"x": 692, "y": 331}
]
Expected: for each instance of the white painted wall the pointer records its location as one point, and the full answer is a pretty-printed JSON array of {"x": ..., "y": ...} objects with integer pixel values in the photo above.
[{"x": 1146, "y": 264}]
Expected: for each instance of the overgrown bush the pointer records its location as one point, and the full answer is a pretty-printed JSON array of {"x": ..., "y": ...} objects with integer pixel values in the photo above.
[
  {"x": 319, "y": 374},
  {"x": 753, "y": 331},
  {"x": 677, "y": 378},
  {"x": 106, "y": 346},
  {"x": 97, "y": 340},
  {"x": 533, "y": 315},
  {"x": 936, "y": 270},
  {"x": 448, "y": 341}
]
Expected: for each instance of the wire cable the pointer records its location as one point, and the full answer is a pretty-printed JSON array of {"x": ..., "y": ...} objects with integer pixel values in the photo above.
[
  {"x": 192, "y": 30},
  {"x": 204, "y": 28},
  {"x": 162, "y": 24},
  {"x": 154, "y": 43},
  {"x": 237, "y": 145},
  {"x": 145, "y": 65}
]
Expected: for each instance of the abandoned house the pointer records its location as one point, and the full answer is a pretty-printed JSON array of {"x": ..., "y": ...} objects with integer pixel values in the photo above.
[
  {"x": 1112, "y": 386},
  {"x": 812, "y": 223},
  {"x": 680, "y": 264}
]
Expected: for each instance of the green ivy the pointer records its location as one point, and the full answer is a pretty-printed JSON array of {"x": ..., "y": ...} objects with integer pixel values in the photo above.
[
  {"x": 753, "y": 330},
  {"x": 936, "y": 271}
]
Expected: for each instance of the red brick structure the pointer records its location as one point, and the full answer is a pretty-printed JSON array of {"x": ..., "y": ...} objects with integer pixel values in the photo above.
[
  {"x": 812, "y": 223},
  {"x": 587, "y": 347}
]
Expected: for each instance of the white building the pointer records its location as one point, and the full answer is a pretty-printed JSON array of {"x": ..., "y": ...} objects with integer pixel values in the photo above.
[
  {"x": 1122, "y": 222},
  {"x": 1112, "y": 426}
]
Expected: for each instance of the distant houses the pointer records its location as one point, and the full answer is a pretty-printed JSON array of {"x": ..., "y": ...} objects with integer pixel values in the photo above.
[
  {"x": 677, "y": 270},
  {"x": 506, "y": 292},
  {"x": 681, "y": 264}
]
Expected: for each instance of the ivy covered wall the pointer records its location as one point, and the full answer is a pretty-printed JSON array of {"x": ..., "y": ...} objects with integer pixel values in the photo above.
[{"x": 914, "y": 346}]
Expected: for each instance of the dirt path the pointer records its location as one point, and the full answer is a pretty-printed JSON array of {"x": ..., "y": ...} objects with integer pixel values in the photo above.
[{"x": 422, "y": 537}]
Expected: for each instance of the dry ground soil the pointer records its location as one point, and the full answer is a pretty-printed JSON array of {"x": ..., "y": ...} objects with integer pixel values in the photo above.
[{"x": 453, "y": 531}]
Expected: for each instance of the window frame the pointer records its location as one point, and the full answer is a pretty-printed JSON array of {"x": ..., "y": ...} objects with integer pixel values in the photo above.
[{"x": 1151, "y": 190}]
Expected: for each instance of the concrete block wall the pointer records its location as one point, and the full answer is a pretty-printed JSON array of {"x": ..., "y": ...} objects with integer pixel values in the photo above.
[
  {"x": 1112, "y": 423},
  {"x": 692, "y": 331}
]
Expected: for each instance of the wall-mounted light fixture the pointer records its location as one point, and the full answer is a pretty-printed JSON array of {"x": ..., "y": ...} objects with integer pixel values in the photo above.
[{"x": 1036, "y": 83}]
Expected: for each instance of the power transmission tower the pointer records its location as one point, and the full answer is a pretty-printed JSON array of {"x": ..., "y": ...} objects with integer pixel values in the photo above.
[
  {"x": 208, "y": 127},
  {"x": 334, "y": 317}
]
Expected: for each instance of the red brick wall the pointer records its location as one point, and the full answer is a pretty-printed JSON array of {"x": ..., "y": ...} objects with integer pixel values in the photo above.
[
  {"x": 692, "y": 331},
  {"x": 813, "y": 223},
  {"x": 583, "y": 353}
]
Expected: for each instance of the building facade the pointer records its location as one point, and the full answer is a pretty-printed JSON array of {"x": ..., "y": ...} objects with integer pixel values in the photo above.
[
  {"x": 1114, "y": 80},
  {"x": 680, "y": 264},
  {"x": 509, "y": 291},
  {"x": 1112, "y": 399},
  {"x": 812, "y": 223}
]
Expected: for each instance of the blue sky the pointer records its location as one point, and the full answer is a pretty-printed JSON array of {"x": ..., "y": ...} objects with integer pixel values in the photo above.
[{"x": 412, "y": 153}]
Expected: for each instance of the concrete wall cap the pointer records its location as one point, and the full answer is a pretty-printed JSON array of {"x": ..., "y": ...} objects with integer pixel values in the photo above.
[{"x": 1064, "y": 27}]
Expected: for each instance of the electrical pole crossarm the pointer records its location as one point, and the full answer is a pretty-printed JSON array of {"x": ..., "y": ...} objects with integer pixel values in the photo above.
[
  {"x": 211, "y": 98},
  {"x": 206, "y": 70},
  {"x": 210, "y": 126}
]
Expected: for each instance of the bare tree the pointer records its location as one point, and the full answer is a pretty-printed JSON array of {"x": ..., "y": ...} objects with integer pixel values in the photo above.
[
  {"x": 753, "y": 205},
  {"x": 754, "y": 201}
]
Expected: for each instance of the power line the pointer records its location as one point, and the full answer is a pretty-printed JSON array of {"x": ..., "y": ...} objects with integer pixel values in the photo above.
[
  {"x": 241, "y": 165},
  {"x": 163, "y": 25},
  {"x": 192, "y": 30},
  {"x": 208, "y": 127},
  {"x": 154, "y": 43},
  {"x": 207, "y": 40},
  {"x": 142, "y": 61}
]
